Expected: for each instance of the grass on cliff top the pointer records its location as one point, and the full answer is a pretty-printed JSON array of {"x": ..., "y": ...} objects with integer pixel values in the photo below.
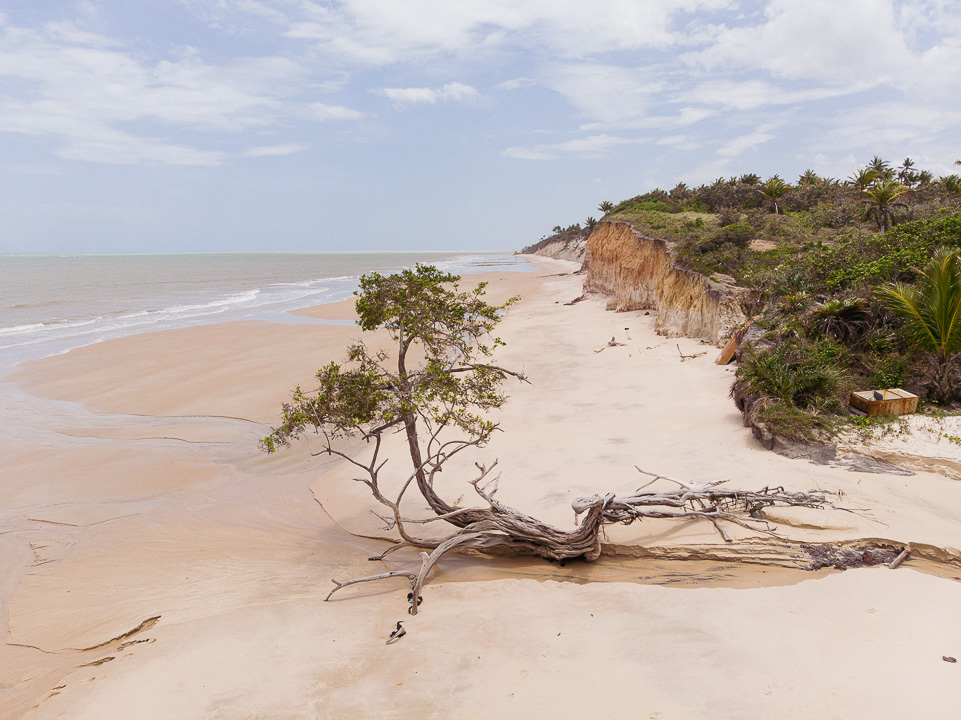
[{"x": 683, "y": 225}]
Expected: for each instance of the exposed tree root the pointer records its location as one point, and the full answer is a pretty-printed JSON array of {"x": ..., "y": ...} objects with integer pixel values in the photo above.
[{"x": 506, "y": 529}]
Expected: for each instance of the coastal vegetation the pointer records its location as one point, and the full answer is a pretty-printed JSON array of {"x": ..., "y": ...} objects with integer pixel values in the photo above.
[
  {"x": 851, "y": 283},
  {"x": 931, "y": 309}
]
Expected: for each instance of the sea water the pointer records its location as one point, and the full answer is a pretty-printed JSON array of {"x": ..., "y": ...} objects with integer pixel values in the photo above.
[{"x": 51, "y": 304}]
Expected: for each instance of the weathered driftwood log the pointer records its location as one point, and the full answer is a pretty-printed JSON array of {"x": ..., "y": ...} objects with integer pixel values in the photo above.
[{"x": 499, "y": 526}]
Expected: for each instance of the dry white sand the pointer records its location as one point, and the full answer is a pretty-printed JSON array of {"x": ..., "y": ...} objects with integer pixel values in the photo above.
[{"x": 155, "y": 564}]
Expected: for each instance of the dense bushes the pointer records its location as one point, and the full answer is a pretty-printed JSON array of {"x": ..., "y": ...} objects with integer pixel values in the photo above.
[
  {"x": 793, "y": 387},
  {"x": 813, "y": 254},
  {"x": 862, "y": 259},
  {"x": 811, "y": 375}
]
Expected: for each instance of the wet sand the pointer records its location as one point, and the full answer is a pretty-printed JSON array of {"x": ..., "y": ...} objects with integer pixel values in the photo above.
[{"x": 156, "y": 564}]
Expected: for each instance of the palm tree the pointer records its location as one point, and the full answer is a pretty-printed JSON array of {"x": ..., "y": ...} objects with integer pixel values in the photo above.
[
  {"x": 773, "y": 189},
  {"x": 932, "y": 309},
  {"x": 591, "y": 223},
  {"x": 951, "y": 184},
  {"x": 809, "y": 178},
  {"x": 862, "y": 178},
  {"x": 606, "y": 206},
  {"x": 906, "y": 175},
  {"x": 883, "y": 195},
  {"x": 750, "y": 179},
  {"x": 882, "y": 167}
]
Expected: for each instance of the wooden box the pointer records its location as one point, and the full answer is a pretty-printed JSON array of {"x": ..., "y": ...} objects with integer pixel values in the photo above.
[{"x": 894, "y": 401}]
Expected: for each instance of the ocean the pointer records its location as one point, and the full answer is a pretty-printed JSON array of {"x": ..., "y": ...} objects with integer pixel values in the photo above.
[{"x": 51, "y": 304}]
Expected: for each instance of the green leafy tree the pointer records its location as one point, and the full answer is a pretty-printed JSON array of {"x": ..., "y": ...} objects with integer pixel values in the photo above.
[
  {"x": 751, "y": 179},
  {"x": 883, "y": 198},
  {"x": 427, "y": 317},
  {"x": 774, "y": 189},
  {"x": 606, "y": 206},
  {"x": 591, "y": 223},
  {"x": 862, "y": 178},
  {"x": 932, "y": 311}
]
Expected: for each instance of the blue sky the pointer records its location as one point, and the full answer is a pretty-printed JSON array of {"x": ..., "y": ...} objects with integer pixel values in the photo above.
[{"x": 180, "y": 125}]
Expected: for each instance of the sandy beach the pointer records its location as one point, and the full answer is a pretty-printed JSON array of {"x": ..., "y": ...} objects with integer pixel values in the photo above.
[{"x": 156, "y": 564}]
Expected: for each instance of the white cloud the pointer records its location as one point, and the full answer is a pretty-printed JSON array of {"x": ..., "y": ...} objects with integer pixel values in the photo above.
[
  {"x": 668, "y": 67},
  {"x": 879, "y": 126},
  {"x": 610, "y": 95},
  {"x": 751, "y": 94},
  {"x": 388, "y": 31},
  {"x": 455, "y": 92},
  {"x": 832, "y": 42},
  {"x": 90, "y": 90},
  {"x": 520, "y": 153},
  {"x": 840, "y": 47},
  {"x": 517, "y": 84},
  {"x": 591, "y": 146},
  {"x": 679, "y": 142},
  {"x": 118, "y": 148},
  {"x": 237, "y": 17},
  {"x": 738, "y": 145},
  {"x": 319, "y": 111},
  {"x": 274, "y": 150}
]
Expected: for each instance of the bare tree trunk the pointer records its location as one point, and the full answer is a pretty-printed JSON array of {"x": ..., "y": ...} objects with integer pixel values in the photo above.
[
  {"x": 502, "y": 528},
  {"x": 943, "y": 378}
]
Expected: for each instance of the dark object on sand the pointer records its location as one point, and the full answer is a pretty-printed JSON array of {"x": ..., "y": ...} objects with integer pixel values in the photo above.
[{"x": 397, "y": 634}]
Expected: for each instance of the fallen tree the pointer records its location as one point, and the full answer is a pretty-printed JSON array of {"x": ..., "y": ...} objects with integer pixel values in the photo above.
[{"x": 436, "y": 387}]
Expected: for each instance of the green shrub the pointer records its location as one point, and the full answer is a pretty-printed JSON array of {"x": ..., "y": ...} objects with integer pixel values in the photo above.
[
  {"x": 738, "y": 234},
  {"x": 890, "y": 371},
  {"x": 834, "y": 215},
  {"x": 807, "y": 375},
  {"x": 792, "y": 423},
  {"x": 842, "y": 319},
  {"x": 862, "y": 259}
]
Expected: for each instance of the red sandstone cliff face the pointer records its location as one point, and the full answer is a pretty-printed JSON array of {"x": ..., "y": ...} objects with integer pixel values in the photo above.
[{"x": 639, "y": 273}]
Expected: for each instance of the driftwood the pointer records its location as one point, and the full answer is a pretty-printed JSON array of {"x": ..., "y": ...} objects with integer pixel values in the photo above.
[
  {"x": 899, "y": 559},
  {"x": 495, "y": 526},
  {"x": 689, "y": 357},
  {"x": 611, "y": 343}
]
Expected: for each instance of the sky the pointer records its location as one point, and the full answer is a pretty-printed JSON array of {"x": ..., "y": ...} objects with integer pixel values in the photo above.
[{"x": 284, "y": 125}]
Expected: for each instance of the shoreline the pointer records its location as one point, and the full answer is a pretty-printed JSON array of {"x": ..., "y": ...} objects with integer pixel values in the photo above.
[
  {"x": 154, "y": 501},
  {"x": 177, "y": 293}
]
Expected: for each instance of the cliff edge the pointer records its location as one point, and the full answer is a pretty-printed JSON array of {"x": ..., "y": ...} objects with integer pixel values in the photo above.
[
  {"x": 570, "y": 244},
  {"x": 639, "y": 273}
]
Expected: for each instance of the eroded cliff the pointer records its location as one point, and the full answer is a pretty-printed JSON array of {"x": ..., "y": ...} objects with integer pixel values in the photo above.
[
  {"x": 568, "y": 245},
  {"x": 639, "y": 273}
]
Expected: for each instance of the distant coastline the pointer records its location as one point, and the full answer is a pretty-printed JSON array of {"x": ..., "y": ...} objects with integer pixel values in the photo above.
[{"x": 53, "y": 303}]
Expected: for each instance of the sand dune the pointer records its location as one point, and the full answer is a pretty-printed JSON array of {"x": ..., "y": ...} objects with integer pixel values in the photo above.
[{"x": 156, "y": 564}]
